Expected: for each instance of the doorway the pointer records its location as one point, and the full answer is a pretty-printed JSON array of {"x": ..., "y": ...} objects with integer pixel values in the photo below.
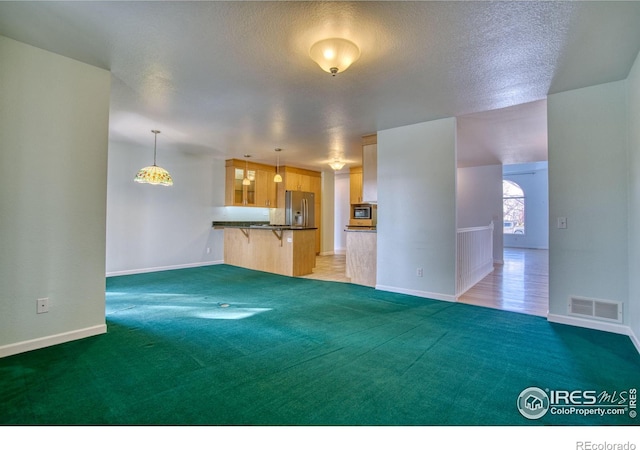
[{"x": 520, "y": 284}]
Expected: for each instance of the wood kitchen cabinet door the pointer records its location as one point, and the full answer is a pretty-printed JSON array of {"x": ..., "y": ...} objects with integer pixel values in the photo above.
[
  {"x": 261, "y": 190},
  {"x": 298, "y": 182},
  {"x": 266, "y": 189},
  {"x": 237, "y": 194},
  {"x": 355, "y": 185}
]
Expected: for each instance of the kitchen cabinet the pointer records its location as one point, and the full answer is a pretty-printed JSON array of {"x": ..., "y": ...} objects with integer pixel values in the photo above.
[
  {"x": 355, "y": 185},
  {"x": 361, "y": 257},
  {"x": 363, "y": 180},
  {"x": 295, "y": 181},
  {"x": 237, "y": 194},
  {"x": 261, "y": 190},
  {"x": 266, "y": 189},
  {"x": 370, "y": 169}
]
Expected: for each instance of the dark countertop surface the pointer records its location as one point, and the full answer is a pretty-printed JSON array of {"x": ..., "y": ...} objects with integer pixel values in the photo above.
[
  {"x": 360, "y": 229},
  {"x": 257, "y": 225}
]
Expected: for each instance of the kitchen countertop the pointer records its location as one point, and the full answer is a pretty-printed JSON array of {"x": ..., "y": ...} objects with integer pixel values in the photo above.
[
  {"x": 361, "y": 230},
  {"x": 258, "y": 226}
]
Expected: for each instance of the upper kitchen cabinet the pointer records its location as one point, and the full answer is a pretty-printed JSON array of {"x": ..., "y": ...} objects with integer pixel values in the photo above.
[
  {"x": 261, "y": 190},
  {"x": 355, "y": 185},
  {"x": 370, "y": 169},
  {"x": 295, "y": 179},
  {"x": 266, "y": 189}
]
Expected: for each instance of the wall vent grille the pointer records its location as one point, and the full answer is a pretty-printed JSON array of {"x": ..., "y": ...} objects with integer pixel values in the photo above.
[{"x": 598, "y": 309}]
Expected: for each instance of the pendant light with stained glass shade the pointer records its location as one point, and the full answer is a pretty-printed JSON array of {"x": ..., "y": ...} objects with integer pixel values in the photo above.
[{"x": 154, "y": 174}]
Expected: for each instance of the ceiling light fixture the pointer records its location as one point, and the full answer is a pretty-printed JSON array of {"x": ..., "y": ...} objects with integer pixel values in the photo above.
[
  {"x": 336, "y": 165},
  {"x": 154, "y": 174},
  {"x": 334, "y": 55},
  {"x": 246, "y": 181},
  {"x": 278, "y": 178}
]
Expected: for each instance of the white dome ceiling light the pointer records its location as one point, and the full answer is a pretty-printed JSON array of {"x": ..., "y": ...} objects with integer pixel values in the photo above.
[{"x": 334, "y": 55}]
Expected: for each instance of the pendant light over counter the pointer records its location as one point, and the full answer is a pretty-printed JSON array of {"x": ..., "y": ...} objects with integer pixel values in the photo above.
[
  {"x": 278, "y": 178},
  {"x": 246, "y": 181},
  {"x": 154, "y": 174}
]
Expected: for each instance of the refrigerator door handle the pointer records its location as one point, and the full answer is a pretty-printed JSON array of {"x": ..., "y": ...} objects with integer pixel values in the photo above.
[{"x": 305, "y": 207}]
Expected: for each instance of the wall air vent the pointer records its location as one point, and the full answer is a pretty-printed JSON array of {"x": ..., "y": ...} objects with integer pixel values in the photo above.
[{"x": 608, "y": 310}]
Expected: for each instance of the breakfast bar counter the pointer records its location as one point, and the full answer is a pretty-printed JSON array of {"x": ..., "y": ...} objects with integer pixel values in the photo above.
[{"x": 282, "y": 250}]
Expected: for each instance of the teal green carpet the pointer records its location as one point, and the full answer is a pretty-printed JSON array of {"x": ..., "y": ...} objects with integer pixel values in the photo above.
[{"x": 224, "y": 345}]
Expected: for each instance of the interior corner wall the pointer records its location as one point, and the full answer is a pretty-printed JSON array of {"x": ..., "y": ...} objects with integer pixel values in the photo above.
[
  {"x": 417, "y": 209},
  {"x": 633, "y": 94},
  {"x": 54, "y": 120},
  {"x": 151, "y": 228},
  {"x": 479, "y": 201},
  {"x": 588, "y": 173}
]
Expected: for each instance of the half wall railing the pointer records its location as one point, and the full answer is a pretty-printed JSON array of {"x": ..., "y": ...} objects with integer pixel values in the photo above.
[{"x": 474, "y": 256}]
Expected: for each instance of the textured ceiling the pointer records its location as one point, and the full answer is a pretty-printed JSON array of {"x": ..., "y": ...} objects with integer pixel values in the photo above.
[{"x": 235, "y": 77}]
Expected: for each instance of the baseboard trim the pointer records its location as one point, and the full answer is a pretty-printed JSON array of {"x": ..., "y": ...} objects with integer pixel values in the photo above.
[
  {"x": 416, "y": 293},
  {"x": 48, "y": 341},
  {"x": 634, "y": 339},
  {"x": 162, "y": 268},
  {"x": 596, "y": 325},
  {"x": 329, "y": 253}
]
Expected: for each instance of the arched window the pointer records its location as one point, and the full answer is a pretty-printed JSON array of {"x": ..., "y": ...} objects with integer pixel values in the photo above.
[{"x": 513, "y": 207}]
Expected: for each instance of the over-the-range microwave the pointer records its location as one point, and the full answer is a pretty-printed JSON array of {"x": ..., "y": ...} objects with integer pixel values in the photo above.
[{"x": 364, "y": 215}]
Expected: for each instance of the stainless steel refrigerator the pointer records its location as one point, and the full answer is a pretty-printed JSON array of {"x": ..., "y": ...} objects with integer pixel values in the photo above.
[{"x": 299, "y": 209}]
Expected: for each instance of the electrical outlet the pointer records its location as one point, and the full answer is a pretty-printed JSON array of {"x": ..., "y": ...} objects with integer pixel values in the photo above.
[
  {"x": 208, "y": 250},
  {"x": 562, "y": 222},
  {"x": 42, "y": 305},
  {"x": 419, "y": 272}
]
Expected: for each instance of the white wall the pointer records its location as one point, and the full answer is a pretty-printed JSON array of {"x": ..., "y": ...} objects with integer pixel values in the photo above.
[
  {"x": 54, "y": 118},
  {"x": 417, "y": 209},
  {"x": 633, "y": 93},
  {"x": 533, "y": 178},
  {"x": 342, "y": 211},
  {"x": 160, "y": 227},
  {"x": 588, "y": 181},
  {"x": 479, "y": 201}
]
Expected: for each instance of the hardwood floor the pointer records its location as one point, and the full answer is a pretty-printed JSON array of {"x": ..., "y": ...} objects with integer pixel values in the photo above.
[{"x": 521, "y": 284}]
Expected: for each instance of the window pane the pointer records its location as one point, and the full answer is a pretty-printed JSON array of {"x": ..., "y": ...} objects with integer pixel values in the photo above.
[
  {"x": 513, "y": 208},
  {"x": 511, "y": 189}
]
